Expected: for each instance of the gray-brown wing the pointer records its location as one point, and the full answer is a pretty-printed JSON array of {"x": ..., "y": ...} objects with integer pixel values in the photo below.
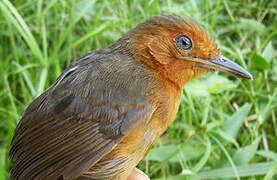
[{"x": 65, "y": 131}]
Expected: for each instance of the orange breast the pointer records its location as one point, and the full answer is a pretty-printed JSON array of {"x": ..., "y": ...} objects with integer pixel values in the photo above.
[{"x": 136, "y": 145}]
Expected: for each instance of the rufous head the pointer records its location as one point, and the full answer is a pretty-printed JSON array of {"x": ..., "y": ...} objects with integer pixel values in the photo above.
[{"x": 178, "y": 47}]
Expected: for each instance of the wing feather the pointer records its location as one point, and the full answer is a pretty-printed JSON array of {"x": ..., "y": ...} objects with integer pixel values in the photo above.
[{"x": 78, "y": 120}]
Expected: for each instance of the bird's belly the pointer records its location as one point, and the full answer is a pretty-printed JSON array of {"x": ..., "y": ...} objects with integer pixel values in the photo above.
[{"x": 118, "y": 164}]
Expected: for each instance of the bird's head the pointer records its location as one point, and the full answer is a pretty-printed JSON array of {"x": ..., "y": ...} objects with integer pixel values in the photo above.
[{"x": 180, "y": 49}]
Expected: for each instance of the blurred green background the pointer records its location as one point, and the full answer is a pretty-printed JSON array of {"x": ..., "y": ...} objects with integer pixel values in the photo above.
[{"x": 225, "y": 127}]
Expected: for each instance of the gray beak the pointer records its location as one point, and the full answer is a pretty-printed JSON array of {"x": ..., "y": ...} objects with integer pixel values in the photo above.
[{"x": 224, "y": 64}]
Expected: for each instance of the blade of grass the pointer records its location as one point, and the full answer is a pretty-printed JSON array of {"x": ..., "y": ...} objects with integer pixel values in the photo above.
[
  {"x": 271, "y": 172},
  {"x": 11, "y": 13},
  {"x": 44, "y": 72},
  {"x": 235, "y": 170},
  {"x": 42, "y": 81},
  {"x": 27, "y": 79},
  {"x": 206, "y": 156},
  {"x": 90, "y": 34},
  {"x": 69, "y": 29},
  {"x": 234, "y": 123},
  {"x": 11, "y": 98},
  {"x": 242, "y": 171},
  {"x": 214, "y": 16},
  {"x": 2, "y": 163}
]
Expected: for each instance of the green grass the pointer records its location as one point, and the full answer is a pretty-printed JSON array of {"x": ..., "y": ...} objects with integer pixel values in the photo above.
[{"x": 225, "y": 128}]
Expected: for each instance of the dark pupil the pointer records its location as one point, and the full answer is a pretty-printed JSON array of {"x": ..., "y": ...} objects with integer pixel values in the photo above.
[{"x": 184, "y": 42}]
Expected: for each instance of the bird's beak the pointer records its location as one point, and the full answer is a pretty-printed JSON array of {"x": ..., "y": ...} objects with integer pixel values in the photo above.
[{"x": 224, "y": 64}]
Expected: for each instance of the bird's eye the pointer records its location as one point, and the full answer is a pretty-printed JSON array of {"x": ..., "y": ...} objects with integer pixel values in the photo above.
[{"x": 184, "y": 42}]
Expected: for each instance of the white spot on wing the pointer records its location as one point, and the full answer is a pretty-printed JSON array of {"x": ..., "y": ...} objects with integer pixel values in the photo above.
[{"x": 64, "y": 74}]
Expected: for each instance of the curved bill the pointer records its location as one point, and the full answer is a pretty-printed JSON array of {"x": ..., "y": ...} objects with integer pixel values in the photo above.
[{"x": 224, "y": 64}]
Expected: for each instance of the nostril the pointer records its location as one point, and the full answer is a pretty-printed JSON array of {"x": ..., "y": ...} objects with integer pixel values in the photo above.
[{"x": 222, "y": 59}]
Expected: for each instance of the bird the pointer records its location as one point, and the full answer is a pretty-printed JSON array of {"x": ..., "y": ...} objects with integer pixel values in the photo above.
[{"x": 106, "y": 110}]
